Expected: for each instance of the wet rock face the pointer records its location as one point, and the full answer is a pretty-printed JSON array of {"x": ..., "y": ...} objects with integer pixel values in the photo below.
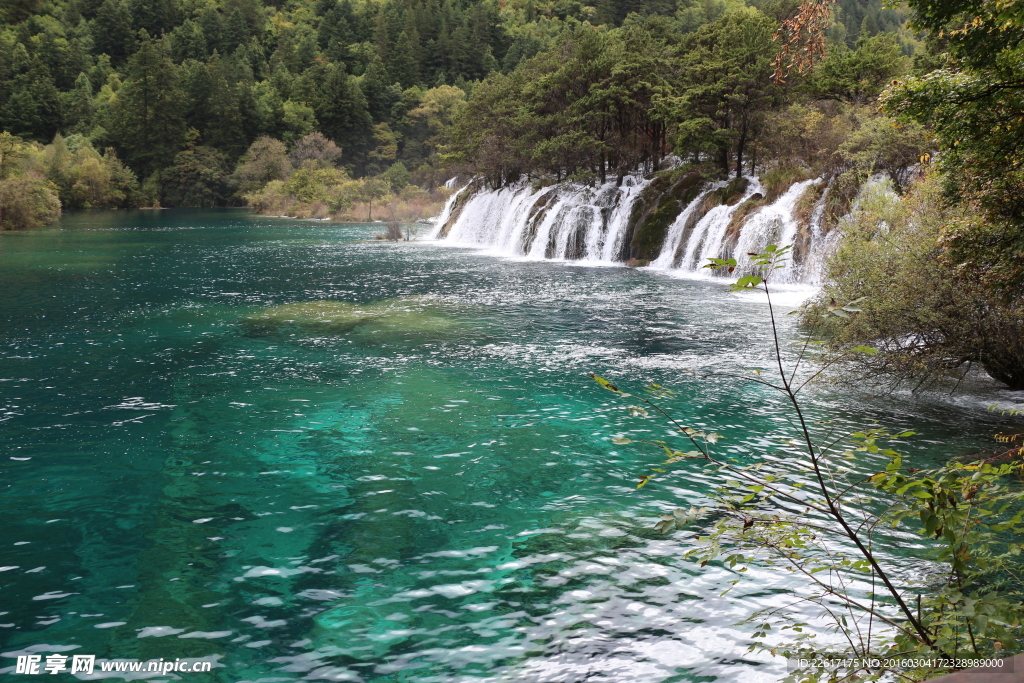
[
  {"x": 658, "y": 206},
  {"x": 460, "y": 203}
]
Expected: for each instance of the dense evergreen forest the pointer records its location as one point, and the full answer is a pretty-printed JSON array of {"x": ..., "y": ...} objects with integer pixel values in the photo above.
[{"x": 158, "y": 102}]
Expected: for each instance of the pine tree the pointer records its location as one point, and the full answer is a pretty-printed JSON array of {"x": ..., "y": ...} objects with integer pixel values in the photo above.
[
  {"x": 16, "y": 11},
  {"x": 405, "y": 62},
  {"x": 149, "y": 108},
  {"x": 727, "y": 67},
  {"x": 236, "y": 31},
  {"x": 224, "y": 129},
  {"x": 188, "y": 41},
  {"x": 374, "y": 86},
  {"x": 335, "y": 34},
  {"x": 79, "y": 110},
  {"x": 34, "y": 108},
  {"x": 196, "y": 89},
  {"x": 342, "y": 113},
  {"x": 387, "y": 29},
  {"x": 112, "y": 31},
  {"x": 157, "y": 17},
  {"x": 212, "y": 24}
]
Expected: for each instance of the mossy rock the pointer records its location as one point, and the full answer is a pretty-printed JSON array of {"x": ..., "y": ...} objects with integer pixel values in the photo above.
[
  {"x": 780, "y": 177},
  {"x": 842, "y": 193},
  {"x": 536, "y": 216},
  {"x": 657, "y": 208},
  {"x": 808, "y": 200},
  {"x": 802, "y": 214},
  {"x": 728, "y": 195}
]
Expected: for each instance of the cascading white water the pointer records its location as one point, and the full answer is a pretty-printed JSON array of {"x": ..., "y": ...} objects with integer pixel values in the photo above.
[
  {"x": 566, "y": 222},
  {"x": 446, "y": 212},
  {"x": 676, "y": 237},
  {"x": 690, "y": 250},
  {"x": 572, "y": 222},
  {"x": 774, "y": 224}
]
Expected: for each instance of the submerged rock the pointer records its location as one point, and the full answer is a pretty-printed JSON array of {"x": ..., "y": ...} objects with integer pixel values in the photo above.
[
  {"x": 395, "y": 316},
  {"x": 325, "y": 316}
]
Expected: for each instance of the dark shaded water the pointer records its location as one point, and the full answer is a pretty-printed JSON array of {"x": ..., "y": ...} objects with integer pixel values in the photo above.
[{"x": 415, "y": 484}]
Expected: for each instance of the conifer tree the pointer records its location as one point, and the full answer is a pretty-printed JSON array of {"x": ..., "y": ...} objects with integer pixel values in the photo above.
[
  {"x": 34, "y": 108},
  {"x": 374, "y": 86},
  {"x": 236, "y": 31},
  {"x": 212, "y": 25},
  {"x": 112, "y": 31},
  {"x": 405, "y": 65},
  {"x": 386, "y": 30},
  {"x": 726, "y": 68},
  {"x": 157, "y": 17},
  {"x": 224, "y": 128},
  {"x": 188, "y": 41},
  {"x": 148, "y": 107},
  {"x": 342, "y": 112},
  {"x": 80, "y": 108}
]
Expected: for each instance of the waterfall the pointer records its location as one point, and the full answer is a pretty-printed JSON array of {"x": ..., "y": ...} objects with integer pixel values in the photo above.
[
  {"x": 446, "y": 212},
  {"x": 689, "y": 249},
  {"x": 563, "y": 222},
  {"x": 774, "y": 224},
  {"x": 595, "y": 224}
]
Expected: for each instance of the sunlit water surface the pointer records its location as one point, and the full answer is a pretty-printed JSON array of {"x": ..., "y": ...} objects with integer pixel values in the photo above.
[{"x": 419, "y": 487}]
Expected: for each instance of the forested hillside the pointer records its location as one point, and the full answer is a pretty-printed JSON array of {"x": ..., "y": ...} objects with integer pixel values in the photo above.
[{"x": 145, "y": 102}]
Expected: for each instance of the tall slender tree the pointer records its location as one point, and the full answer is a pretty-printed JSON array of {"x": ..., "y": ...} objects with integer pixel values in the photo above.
[{"x": 149, "y": 107}]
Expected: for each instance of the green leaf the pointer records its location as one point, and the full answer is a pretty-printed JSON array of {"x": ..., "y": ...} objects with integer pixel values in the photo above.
[
  {"x": 721, "y": 263},
  {"x": 621, "y": 441},
  {"x": 747, "y": 282},
  {"x": 864, "y": 349},
  {"x": 605, "y": 384}
]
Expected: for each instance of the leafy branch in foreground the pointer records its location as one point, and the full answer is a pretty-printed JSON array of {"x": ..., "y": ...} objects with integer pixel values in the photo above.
[{"x": 831, "y": 510}]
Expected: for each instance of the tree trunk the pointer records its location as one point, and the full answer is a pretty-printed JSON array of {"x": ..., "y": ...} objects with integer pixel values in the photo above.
[{"x": 739, "y": 150}]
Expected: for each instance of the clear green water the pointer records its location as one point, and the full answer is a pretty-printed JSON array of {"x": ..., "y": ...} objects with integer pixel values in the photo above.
[{"x": 419, "y": 488}]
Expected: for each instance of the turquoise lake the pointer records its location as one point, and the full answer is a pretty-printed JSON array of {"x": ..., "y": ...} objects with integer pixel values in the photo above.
[{"x": 304, "y": 454}]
